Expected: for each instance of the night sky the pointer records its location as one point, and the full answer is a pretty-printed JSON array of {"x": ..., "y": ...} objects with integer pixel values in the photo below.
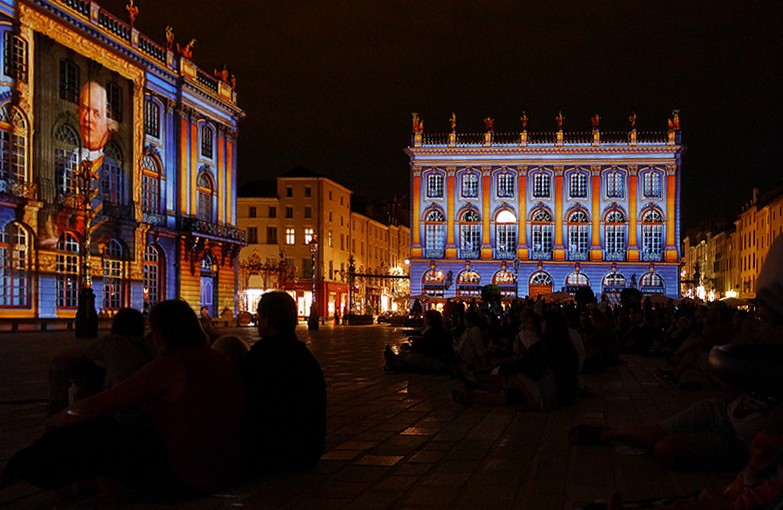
[{"x": 330, "y": 85}]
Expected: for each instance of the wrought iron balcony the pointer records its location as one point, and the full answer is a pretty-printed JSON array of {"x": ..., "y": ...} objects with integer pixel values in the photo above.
[
  {"x": 434, "y": 253},
  {"x": 503, "y": 254},
  {"x": 578, "y": 255},
  {"x": 18, "y": 189},
  {"x": 198, "y": 226},
  {"x": 614, "y": 256},
  {"x": 466, "y": 254},
  {"x": 651, "y": 256},
  {"x": 540, "y": 255}
]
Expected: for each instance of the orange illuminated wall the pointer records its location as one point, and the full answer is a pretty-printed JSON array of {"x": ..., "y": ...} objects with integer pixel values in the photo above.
[
  {"x": 595, "y": 248},
  {"x": 486, "y": 247},
  {"x": 522, "y": 252},
  {"x": 416, "y": 220},
  {"x": 229, "y": 181},
  {"x": 184, "y": 180},
  {"x": 193, "y": 169},
  {"x": 559, "y": 251},
  {"x": 633, "y": 249},
  {"x": 221, "y": 172},
  {"x": 451, "y": 250},
  {"x": 671, "y": 202}
]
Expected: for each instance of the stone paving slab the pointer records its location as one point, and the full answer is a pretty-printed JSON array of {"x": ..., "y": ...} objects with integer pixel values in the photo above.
[{"x": 398, "y": 440}]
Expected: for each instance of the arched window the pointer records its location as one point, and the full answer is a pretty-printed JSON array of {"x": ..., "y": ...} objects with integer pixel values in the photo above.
[
  {"x": 153, "y": 276},
  {"x": 651, "y": 283},
  {"x": 469, "y": 235},
  {"x": 113, "y": 270},
  {"x": 205, "y": 191},
  {"x": 13, "y": 145},
  {"x": 14, "y": 266},
  {"x": 150, "y": 185},
  {"x": 206, "y": 141},
  {"x": 614, "y": 235},
  {"x": 112, "y": 176},
  {"x": 435, "y": 185},
  {"x": 541, "y": 235},
  {"x": 578, "y": 234},
  {"x": 505, "y": 235},
  {"x": 652, "y": 235},
  {"x": 66, "y": 158},
  {"x": 67, "y": 266},
  {"x": 540, "y": 283},
  {"x": 614, "y": 281},
  {"x": 434, "y": 234},
  {"x": 576, "y": 279}
]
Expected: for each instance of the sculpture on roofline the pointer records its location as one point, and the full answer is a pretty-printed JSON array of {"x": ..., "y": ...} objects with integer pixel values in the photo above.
[
  {"x": 133, "y": 11},
  {"x": 559, "y": 119},
  {"x": 453, "y": 122},
  {"x": 418, "y": 124},
  {"x": 523, "y": 120},
  {"x": 674, "y": 122},
  {"x": 594, "y": 120},
  {"x": 169, "y": 37},
  {"x": 489, "y": 122},
  {"x": 632, "y": 120},
  {"x": 187, "y": 50}
]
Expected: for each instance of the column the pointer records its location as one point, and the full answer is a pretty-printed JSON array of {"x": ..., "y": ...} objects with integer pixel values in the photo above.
[
  {"x": 486, "y": 181},
  {"x": 670, "y": 254},
  {"x": 633, "y": 248},
  {"x": 230, "y": 183},
  {"x": 559, "y": 249},
  {"x": 416, "y": 214},
  {"x": 595, "y": 244},
  {"x": 193, "y": 169},
  {"x": 522, "y": 249},
  {"x": 183, "y": 169},
  {"x": 220, "y": 173},
  {"x": 451, "y": 249}
]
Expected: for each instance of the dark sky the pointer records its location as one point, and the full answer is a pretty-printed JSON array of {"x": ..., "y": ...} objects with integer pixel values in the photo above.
[{"x": 330, "y": 85}]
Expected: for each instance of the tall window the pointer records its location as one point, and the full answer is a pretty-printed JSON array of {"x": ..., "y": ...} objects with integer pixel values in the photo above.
[
  {"x": 252, "y": 235},
  {"x": 541, "y": 185},
  {"x": 252, "y": 212},
  {"x": 652, "y": 235},
  {"x": 69, "y": 81},
  {"x": 308, "y": 212},
  {"x": 309, "y": 233},
  {"x": 615, "y": 184},
  {"x": 652, "y": 184},
  {"x": 271, "y": 235},
  {"x": 15, "y": 57},
  {"x": 206, "y": 141},
  {"x": 469, "y": 235},
  {"x": 114, "y": 101},
  {"x": 112, "y": 275},
  {"x": 66, "y": 143},
  {"x": 434, "y": 234},
  {"x": 435, "y": 185},
  {"x": 290, "y": 236},
  {"x": 289, "y": 212},
  {"x": 150, "y": 185},
  {"x": 205, "y": 196},
  {"x": 578, "y": 232},
  {"x": 577, "y": 185},
  {"x": 470, "y": 185},
  {"x": 541, "y": 235},
  {"x": 614, "y": 235},
  {"x": 153, "y": 276},
  {"x": 13, "y": 145},
  {"x": 505, "y": 235},
  {"x": 113, "y": 178},
  {"x": 272, "y": 212},
  {"x": 505, "y": 185},
  {"x": 67, "y": 266},
  {"x": 151, "y": 118},
  {"x": 14, "y": 265}
]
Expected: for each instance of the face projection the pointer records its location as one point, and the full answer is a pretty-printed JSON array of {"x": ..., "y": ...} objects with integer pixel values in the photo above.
[{"x": 93, "y": 118}]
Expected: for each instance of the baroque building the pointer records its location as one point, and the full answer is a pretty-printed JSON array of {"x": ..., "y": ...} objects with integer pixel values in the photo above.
[
  {"x": 536, "y": 213},
  {"x": 283, "y": 218},
  {"x": 117, "y": 165}
]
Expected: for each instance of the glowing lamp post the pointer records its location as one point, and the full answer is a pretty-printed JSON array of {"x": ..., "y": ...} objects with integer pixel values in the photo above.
[
  {"x": 86, "y": 318},
  {"x": 312, "y": 321}
]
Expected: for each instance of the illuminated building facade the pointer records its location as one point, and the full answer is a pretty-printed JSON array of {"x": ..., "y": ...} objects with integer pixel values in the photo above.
[
  {"x": 281, "y": 218},
  {"x": 118, "y": 159},
  {"x": 536, "y": 213}
]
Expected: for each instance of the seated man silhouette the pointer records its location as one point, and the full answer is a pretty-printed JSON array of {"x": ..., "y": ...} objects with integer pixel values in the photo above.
[{"x": 285, "y": 389}]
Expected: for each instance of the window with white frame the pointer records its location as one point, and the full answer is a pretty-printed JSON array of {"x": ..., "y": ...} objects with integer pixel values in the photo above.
[
  {"x": 541, "y": 185},
  {"x": 434, "y": 233},
  {"x": 615, "y": 231},
  {"x": 652, "y": 184},
  {"x": 505, "y": 233},
  {"x": 541, "y": 234},
  {"x": 290, "y": 236},
  {"x": 13, "y": 145},
  {"x": 150, "y": 185},
  {"x": 435, "y": 185},
  {"x": 470, "y": 185},
  {"x": 15, "y": 57},
  {"x": 505, "y": 185},
  {"x": 652, "y": 233},
  {"x": 577, "y": 185},
  {"x": 578, "y": 233},
  {"x": 67, "y": 267},
  {"x": 66, "y": 143},
  {"x": 470, "y": 234},
  {"x": 153, "y": 276},
  {"x": 151, "y": 118},
  {"x": 309, "y": 233},
  {"x": 615, "y": 184},
  {"x": 206, "y": 141},
  {"x": 14, "y": 266},
  {"x": 205, "y": 190},
  {"x": 112, "y": 275}
]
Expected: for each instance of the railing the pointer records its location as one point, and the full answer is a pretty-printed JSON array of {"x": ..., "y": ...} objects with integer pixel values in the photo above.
[
  {"x": 578, "y": 255},
  {"x": 540, "y": 255},
  {"x": 503, "y": 254},
  {"x": 580, "y": 137},
  {"x": 80, "y": 6},
  {"x": 114, "y": 25},
  {"x": 198, "y": 226},
  {"x": 207, "y": 80},
  {"x": 434, "y": 253},
  {"x": 614, "y": 256},
  {"x": 18, "y": 189},
  {"x": 153, "y": 218},
  {"x": 152, "y": 49},
  {"x": 468, "y": 253},
  {"x": 651, "y": 256},
  {"x": 545, "y": 138}
]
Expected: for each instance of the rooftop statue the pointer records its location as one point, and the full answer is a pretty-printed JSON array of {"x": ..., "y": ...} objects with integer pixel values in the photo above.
[
  {"x": 133, "y": 11},
  {"x": 187, "y": 50},
  {"x": 523, "y": 120},
  {"x": 559, "y": 119},
  {"x": 489, "y": 122},
  {"x": 453, "y": 122},
  {"x": 594, "y": 120},
  {"x": 674, "y": 122},
  {"x": 632, "y": 120},
  {"x": 418, "y": 124},
  {"x": 169, "y": 37}
]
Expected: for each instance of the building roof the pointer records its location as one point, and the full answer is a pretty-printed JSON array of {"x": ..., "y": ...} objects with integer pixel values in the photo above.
[{"x": 258, "y": 188}]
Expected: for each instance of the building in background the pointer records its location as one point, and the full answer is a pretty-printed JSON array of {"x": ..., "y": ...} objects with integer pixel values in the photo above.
[
  {"x": 282, "y": 218},
  {"x": 536, "y": 213},
  {"x": 118, "y": 160}
]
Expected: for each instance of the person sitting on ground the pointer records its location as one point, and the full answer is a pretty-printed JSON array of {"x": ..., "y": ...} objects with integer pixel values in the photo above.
[
  {"x": 197, "y": 441},
  {"x": 286, "y": 391},
  {"x": 102, "y": 363},
  {"x": 432, "y": 352}
]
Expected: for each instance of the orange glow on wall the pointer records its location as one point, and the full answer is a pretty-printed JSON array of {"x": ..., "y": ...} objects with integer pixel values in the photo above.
[
  {"x": 633, "y": 250},
  {"x": 416, "y": 199},
  {"x": 559, "y": 251},
  {"x": 486, "y": 249}
]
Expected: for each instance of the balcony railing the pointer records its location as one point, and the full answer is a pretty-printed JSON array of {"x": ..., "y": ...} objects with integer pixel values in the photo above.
[
  {"x": 152, "y": 49},
  {"x": 198, "y": 226},
  {"x": 153, "y": 218},
  {"x": 503, "y": 254},
  {"x": 540, "y": 255},
  {"x": 434, "y": 253},
  {"x": 468, "y": 253},
  {"x": 18, "y": 189},
  {"x": 651, "y": 256},
  {"x": 544, "y": 138},
  {"x": 114, "y": 25},
  {"x": 207, "y": 80},
  {"x": 614, "y": 256},
  {"x": 80, "y": 6},
  {"x": 578, "y": 255}
]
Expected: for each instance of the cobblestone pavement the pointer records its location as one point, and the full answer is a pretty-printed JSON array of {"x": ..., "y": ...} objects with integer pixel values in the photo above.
[{"x": 398, "y": 440}]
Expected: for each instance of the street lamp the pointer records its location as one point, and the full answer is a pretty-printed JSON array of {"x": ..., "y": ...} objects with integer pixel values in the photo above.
[
  {"x": 312, "y": 321},
  {"x": 86, "y": 318}
]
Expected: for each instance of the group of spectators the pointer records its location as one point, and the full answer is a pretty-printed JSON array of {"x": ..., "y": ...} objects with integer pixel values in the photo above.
[{"x": 174, "y": 415}]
